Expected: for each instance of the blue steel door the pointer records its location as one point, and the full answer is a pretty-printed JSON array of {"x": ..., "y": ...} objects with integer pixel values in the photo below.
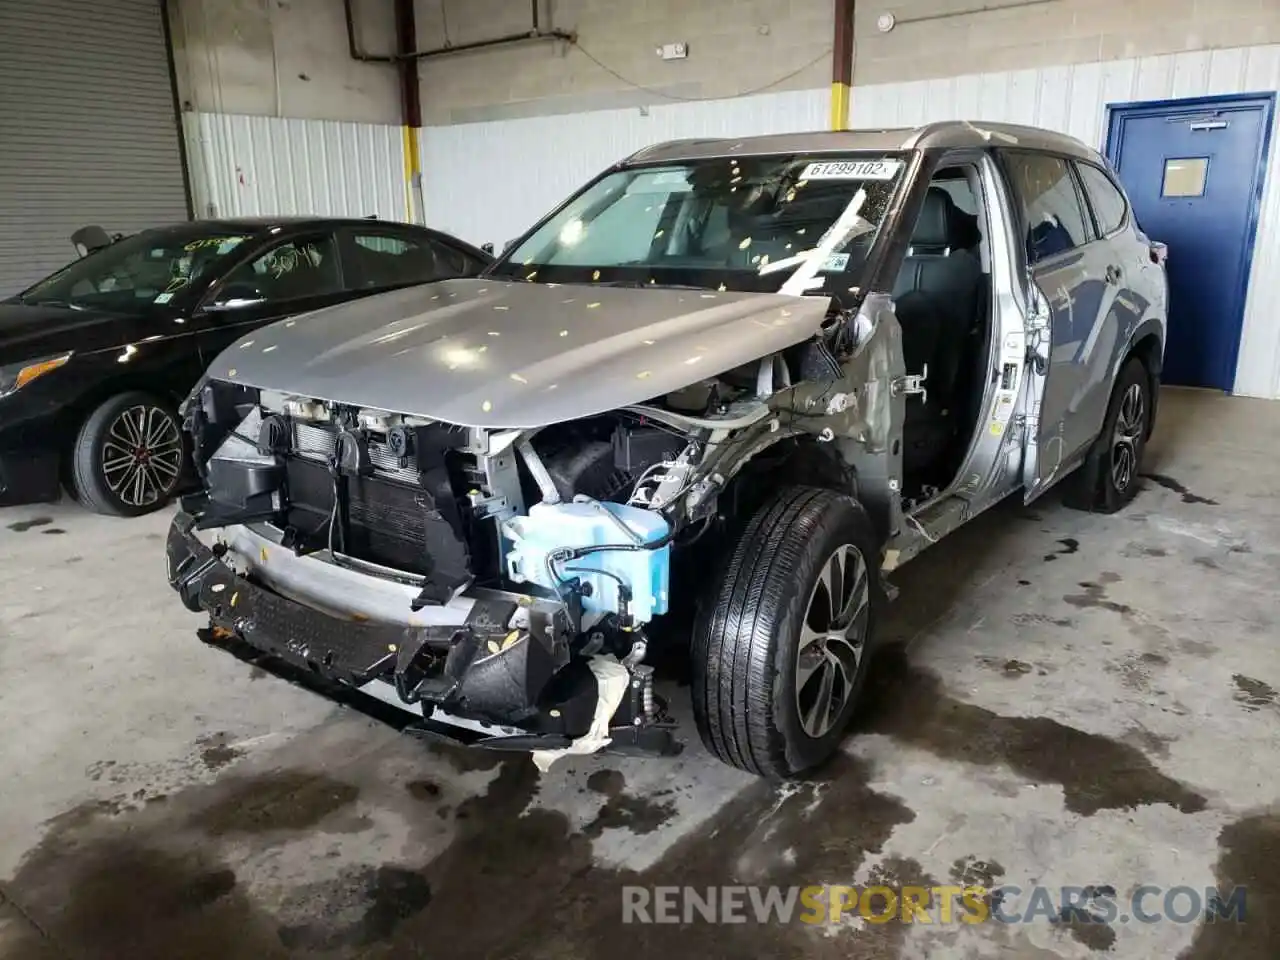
[{"x": 1194, "y": 170}]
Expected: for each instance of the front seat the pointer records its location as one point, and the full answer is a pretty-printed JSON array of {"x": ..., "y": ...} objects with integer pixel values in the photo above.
[
  {"x": 937, "y": 297},
  {"x": 938, "y": 292}
]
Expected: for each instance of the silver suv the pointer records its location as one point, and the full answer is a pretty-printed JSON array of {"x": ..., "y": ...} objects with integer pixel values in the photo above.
[{"x": 726, "y": 387}]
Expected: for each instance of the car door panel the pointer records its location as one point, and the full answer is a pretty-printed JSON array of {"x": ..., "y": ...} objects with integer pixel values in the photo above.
[
  {"x": 222, "y": 325},
  {"x": 1066, "y": 331}
]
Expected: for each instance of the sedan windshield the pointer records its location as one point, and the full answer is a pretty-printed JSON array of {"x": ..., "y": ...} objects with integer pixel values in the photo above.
[
  {"x": 765, "y": 223},
  {"x": 149, "y": 267}
]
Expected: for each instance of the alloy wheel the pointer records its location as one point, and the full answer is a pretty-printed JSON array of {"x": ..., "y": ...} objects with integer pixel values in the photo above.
[
  {"x": 142, "y": 456},
  {"x": 1131, "y": 423},
  {"x": 832, "y": 640}
]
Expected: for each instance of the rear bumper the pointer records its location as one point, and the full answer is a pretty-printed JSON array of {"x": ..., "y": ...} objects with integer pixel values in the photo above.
[{"x": 478, "y": 681}]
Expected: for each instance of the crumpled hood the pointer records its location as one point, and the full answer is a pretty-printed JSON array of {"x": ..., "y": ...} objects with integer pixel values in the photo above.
[{"x": 495, "y": 353}]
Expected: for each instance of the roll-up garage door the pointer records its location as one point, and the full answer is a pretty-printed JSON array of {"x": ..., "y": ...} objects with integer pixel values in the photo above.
[{"x": 88, "y": 133}]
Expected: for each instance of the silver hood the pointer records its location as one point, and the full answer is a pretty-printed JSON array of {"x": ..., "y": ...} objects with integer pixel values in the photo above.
[{"x": 495, "y": 353}]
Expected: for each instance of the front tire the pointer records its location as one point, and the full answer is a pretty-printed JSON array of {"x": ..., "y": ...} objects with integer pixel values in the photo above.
[
  {"x": 780, "y": 651},
  {"x": 1108, "y": 478},
  {"x": 128, "y": 456}
]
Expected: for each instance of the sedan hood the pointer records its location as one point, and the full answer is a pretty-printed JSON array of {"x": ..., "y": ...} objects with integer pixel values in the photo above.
[
  {"x": 493, "y": 353},
  {"x": 28, "y": 332}
]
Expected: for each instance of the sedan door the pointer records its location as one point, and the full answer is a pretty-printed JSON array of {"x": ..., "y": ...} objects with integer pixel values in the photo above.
[{"x": 292, "y": 276}]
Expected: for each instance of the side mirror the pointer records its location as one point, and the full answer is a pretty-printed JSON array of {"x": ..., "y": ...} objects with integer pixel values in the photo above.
[
  {"x": 236, "y": 295},
  {"x": 1159, "y": 252},
  {"x": 509, "y": 244},
  {"x": 487, "y": 248},
  {"x": 88, "y": 239}
]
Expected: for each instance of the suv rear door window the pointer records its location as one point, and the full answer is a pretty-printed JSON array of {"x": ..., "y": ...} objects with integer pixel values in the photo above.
[
  {"x": 1106, "y": 199},
  {"x": 1051, "y": 212}
]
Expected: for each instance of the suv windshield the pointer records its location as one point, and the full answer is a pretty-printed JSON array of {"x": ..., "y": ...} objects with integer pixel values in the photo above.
[
  {"x": 149, "y": 267},
  {"x": 735, "y": 223}
]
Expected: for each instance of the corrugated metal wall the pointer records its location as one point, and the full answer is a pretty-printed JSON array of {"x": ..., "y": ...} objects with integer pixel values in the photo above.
[
  {"x": 264, "y": 166},
  {"x": 88, "y": 132},
  {"x": 489, "y": 181}
]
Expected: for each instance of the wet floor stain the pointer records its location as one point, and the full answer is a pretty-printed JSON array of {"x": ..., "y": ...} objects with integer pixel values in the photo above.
[
  {"x": 971, "y": 872},
  {"x": 22, "y": 526},
  {"x": 1249, "y": 850},
  {"x": 113, "y": 891},
  {"x": 217, "y": 751},
  {"x": 423, "y": 790},
  {"x": 638, "y": 814},
  {"x": 1171, "y": 484},
  {"x": 1086, "y": 923},
  {"x": 1095, "y": 595},
  {"x": 356, "y": 910},
  {"x": 1067, "y": 546},
  {"x": 1209, "y": 563},
  {"x": 1009, "y": 668},
  {"x": 1096, "y": 773},
  {"x": 1038, "y": 619},
  {"x": 285, "y": 801},
  {"x": 1254, "y": 694},
  {"x": 53, "y": 532},
  {"x": 765, "y": 835}
]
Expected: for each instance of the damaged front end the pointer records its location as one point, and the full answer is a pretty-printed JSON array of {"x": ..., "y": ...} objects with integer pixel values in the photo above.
[
  {"x": 494, "y": 584},
  {"x": 395, "y": 555}
]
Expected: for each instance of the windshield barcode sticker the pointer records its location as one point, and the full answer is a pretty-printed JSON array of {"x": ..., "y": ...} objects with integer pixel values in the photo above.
[{"x": 852, "y": 170}]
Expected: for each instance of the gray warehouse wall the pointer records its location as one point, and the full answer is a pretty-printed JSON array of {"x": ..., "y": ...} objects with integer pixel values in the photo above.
[
  {"x": 283, "y": 58},
  {"x": 737, "y": 45},
  {"x": 289, "y": 57}
]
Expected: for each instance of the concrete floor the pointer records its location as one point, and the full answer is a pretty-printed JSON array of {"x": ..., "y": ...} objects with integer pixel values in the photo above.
[{"x": 1085, "y": 700}]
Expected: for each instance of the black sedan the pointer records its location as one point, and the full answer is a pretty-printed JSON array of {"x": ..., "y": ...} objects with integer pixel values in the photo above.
[{"x": 95, "y": 359}]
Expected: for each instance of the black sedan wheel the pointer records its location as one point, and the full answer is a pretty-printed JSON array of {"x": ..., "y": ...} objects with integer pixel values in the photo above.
[
  {"x": 128, "y": 457},
  {"x": 780, "y": 649}
]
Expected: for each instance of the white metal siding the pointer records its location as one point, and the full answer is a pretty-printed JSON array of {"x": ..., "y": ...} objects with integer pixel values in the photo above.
[
  {"x": 251, "y": 166},
  {"x": 1073, "y": 99},
  {"x": 489, "y": 181},
  {"x": 87, "y": 128}
]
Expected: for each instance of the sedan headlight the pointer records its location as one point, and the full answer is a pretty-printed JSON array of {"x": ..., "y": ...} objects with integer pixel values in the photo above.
[{"x": 15, "y": 376}]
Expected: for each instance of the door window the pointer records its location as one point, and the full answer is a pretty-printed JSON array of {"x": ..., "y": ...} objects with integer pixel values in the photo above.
[
  {"x": 1107, "y": 201},
  {"x": 1185, "y": 177},
  {"x": 1051, "y": 210},
  {"x": 392, "y": 260},
  {"x": 292, "y": 270}
]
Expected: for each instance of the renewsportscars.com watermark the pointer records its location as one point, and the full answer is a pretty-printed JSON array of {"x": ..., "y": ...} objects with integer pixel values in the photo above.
[{"x": 1096, "y": 903}]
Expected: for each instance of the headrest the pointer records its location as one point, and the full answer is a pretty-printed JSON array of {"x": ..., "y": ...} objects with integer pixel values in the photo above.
[{"x": 937, "y": 224}]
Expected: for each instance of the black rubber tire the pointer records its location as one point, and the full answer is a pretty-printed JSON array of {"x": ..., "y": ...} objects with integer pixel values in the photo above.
[
  {"x": 91, "y": 487},
  {"x": 743, "y": 656},
  {"x": 1092, "y": 487}
]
